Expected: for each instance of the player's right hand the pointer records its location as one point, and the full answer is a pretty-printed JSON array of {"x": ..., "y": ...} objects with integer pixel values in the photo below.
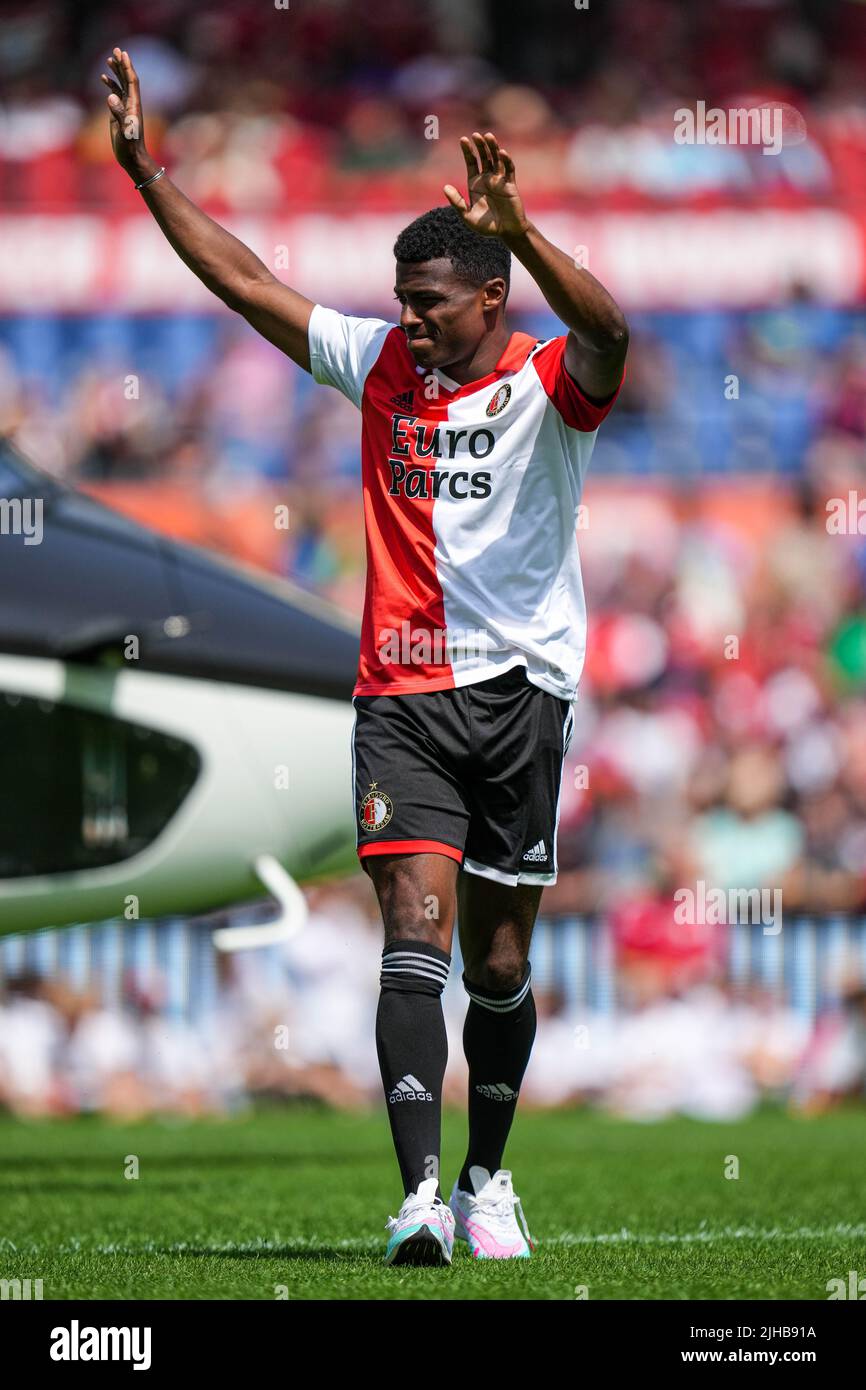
[{"x": 126, "y": 121}]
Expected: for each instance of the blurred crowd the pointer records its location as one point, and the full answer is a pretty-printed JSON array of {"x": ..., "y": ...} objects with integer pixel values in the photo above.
[
  {"x": 721, "y": 723},
  {"x": 297, "y": 1023},
  {"x": 200, "y": 401},
  {"x": 721, "y": 720},
  {"x": 259, "y": 105}
]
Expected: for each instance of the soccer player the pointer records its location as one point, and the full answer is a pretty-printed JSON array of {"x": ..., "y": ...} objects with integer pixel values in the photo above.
[{"x": 475, "y": 443}]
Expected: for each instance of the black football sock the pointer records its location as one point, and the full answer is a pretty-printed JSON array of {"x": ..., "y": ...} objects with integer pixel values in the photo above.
[
  {"x": 413, "y": 1050},
  {"x": 497, "y": 1039}
]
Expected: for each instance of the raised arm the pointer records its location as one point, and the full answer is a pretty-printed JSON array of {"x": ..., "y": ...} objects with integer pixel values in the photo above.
[
  {"x": 598, "y": 334},
  {"x": 228, "y": 268}
]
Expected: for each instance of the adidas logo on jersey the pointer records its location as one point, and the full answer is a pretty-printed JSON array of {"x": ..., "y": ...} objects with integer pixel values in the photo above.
[
  {"x": 410, "y": 1088},
  {"x": 497, "y": 1090},
  {"x": 537, "y": 852},
  {"x": 405, "y": 399}
]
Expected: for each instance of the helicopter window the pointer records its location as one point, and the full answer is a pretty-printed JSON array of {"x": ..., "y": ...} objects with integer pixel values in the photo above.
[{"x": 80, "y": 790}]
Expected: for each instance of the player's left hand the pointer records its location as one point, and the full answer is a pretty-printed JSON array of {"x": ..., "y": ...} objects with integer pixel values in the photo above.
[{"x": 495, "y": 207}]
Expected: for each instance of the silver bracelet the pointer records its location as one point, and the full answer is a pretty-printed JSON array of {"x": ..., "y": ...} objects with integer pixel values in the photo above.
[{"x": 153, "y": 178}]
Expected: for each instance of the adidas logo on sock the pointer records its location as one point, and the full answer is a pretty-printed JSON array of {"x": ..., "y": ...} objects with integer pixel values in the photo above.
[
  {"x": 497, "y": 1090},
  {"x": 537, "y": 852},
  {"x": 404, "y": 399},
  {"x": 410, "y": 1088}
]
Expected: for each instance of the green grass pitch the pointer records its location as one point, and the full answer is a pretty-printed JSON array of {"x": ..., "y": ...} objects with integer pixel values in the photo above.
[{"x": 293, "y": 1203}]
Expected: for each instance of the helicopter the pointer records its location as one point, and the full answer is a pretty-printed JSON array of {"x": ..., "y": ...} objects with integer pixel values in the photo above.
[{"x": 175, "y": 729}]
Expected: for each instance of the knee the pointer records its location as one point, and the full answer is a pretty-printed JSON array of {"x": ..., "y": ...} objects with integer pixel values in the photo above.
[{"x": 506, "y": 970}]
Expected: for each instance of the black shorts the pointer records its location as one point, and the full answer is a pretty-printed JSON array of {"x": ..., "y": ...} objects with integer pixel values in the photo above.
[{"x": 473, "y": 773}]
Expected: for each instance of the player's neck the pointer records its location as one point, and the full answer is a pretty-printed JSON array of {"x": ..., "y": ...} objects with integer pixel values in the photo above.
[{"x": 483, "y": 360}]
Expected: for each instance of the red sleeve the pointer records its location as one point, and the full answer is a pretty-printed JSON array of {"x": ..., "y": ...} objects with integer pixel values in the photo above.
[{"x": 576, "y": 409}]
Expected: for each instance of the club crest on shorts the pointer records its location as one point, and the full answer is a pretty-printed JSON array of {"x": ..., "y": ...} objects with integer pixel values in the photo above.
[
  {"x": 499, "y": 400},
  {"x": 376, "y": 809}
]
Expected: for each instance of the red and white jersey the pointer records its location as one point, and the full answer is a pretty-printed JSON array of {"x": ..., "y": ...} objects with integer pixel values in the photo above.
[{"x": 471, "y": 496}]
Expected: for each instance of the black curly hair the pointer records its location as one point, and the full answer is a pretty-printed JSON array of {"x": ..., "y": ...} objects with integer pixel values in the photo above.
[{"x": 441, "y": 232}]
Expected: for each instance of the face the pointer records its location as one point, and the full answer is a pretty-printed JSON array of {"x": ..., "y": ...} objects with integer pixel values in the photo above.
[{"x": 444, "y": 317}]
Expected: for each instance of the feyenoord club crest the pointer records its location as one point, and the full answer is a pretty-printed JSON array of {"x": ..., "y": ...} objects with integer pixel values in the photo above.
[
  {"x": 376, "y": 809},
  {"x": 499, "y": 400}
]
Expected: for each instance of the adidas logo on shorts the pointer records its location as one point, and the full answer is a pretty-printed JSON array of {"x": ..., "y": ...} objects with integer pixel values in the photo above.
[
  {"x": 497, "y": 1090},
  {"x": 537, "y": 852},
  {"x": 410, "y": 1088}
]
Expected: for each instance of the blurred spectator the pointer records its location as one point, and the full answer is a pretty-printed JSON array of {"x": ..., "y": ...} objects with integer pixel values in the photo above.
[
  {"x": 31, "y": 1034},
  {"x": 833, "y": 1067},
  {"x": 257, "y": 106}
]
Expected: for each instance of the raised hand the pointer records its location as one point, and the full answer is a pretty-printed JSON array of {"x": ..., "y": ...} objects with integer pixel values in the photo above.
[
  {"x": 495, "y": 207},
  {"x": 126, "y": 123}
]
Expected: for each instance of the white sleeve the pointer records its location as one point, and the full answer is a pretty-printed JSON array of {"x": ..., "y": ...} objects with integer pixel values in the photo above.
[{"x": 343, "y": 349}]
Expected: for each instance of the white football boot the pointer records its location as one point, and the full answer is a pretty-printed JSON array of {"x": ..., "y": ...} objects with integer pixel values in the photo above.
[
  {"x": 422, "y": 1232},
  {"x": 487, "y": 1217}
]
